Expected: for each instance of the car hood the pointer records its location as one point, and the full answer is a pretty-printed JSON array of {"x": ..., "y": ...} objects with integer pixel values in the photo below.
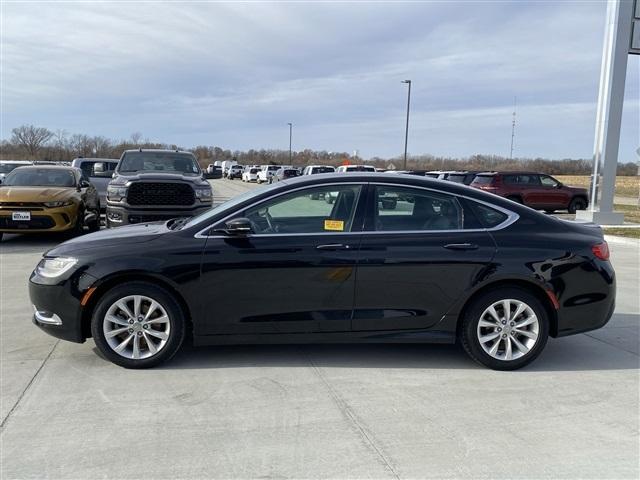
[
  {"x": 36, "y": 194},
  {"x": 111, "y": 237},
  {"x": 122, "y": 179}
]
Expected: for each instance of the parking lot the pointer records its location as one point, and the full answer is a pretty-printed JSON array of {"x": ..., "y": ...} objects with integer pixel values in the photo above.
[{"x": 339, "y": 411}]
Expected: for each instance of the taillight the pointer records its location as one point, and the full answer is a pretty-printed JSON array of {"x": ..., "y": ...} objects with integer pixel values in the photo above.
[{"x": 601, "y": 250}]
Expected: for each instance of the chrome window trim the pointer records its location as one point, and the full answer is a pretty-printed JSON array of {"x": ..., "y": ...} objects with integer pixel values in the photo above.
[{"x": 512, "y": 217}]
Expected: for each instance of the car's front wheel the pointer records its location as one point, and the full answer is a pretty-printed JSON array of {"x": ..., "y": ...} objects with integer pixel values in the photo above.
[
  {"x": 505, "y": 329},
  {"x": 138, "y": 325}
]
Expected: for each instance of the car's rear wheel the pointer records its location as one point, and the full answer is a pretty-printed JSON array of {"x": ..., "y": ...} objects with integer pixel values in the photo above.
[
  {"x": 138, "y": 325},
  {"x": 577, "y": 204},
  {"x": 505, "y": 329}
]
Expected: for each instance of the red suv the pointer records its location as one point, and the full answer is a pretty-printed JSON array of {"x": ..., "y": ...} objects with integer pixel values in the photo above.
[{"x": 535, "y": 190}]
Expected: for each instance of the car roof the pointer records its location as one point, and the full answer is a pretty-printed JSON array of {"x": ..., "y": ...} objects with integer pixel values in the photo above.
[
  {"x": 20, "y": 162},
  {"x": 511, "y": 172},
  {"x": 157, "y": 150}
]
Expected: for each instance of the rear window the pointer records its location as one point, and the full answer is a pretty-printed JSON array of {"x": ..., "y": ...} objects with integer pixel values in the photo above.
[
  {"x": 322, "y": 170},
  {"x": 483, "y": 180},
  {"x": 457, "y": 178}
]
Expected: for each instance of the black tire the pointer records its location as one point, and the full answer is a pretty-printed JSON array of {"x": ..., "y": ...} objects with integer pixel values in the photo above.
[
  {"x": 1, "y": 235},
  {"x": 160, "y": 295},
  {"x": 78, "y": 229},
  {"x": 468, "y": 332},
  {"x": 577, "y": 203},
  {"x": 516, "y": 199},
  {"x": 94, "y": 226},
  {"x": 549, "y": 211}
]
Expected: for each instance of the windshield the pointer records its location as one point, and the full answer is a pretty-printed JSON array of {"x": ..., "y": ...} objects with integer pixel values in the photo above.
[
  {"x": 40, "y": 177},
  {"x": 7, "y": 167},
  {"x": 171, "y": 162},
  {"x": 228, "y": 205}
]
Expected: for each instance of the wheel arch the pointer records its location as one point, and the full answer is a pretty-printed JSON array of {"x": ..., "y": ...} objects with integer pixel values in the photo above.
[
  {"x": 535, "y": 289},
  {"x": 109, "y": 282}
]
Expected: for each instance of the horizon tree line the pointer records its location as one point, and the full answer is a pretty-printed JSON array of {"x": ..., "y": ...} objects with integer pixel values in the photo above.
[{"x": 29, "y": 142}]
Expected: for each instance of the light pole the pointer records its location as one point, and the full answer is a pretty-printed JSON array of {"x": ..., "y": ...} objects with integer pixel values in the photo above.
[
  {"x": 406, "y": 132},
  {"x": 290, "y": 136}
]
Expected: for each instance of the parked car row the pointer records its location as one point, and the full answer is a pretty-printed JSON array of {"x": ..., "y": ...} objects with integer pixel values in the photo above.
[
  {"x": 142, "y": 186},
  {"x": 151, "y": 185}
]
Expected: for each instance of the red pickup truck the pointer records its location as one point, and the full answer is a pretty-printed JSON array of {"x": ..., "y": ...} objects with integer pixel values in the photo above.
[{"x": 535, "y": 190}]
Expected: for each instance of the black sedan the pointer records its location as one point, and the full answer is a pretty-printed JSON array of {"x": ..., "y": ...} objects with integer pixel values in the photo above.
[{"x": 448, "y": 263}]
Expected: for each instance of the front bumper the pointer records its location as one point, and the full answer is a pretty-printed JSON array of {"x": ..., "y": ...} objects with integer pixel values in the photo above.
[
  {"x": 44, "y": 220},
  {"x": 117, "y": 216},
  {"x": 58, "y": 309}
]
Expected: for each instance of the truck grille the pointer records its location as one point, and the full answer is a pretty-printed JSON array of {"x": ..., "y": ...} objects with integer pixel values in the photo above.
[{"x": 147, "y": 193}]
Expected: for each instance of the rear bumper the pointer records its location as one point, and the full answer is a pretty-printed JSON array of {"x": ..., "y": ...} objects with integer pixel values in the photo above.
[
  {"x": 592, "y": 307},
  {"x": 118, "y": 216}
]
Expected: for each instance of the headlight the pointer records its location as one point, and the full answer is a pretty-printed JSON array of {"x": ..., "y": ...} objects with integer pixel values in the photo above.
[
  {"x": 57, "y": 204},
  {"x": 116, "y": 193},
  {"x": 54, "y": 267},
  {"x": 204, "y": 194}
]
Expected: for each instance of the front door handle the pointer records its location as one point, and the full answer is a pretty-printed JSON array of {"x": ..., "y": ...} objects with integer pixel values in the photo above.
[
  {"x": 333, "y": 246},
  {"x": 461, "y": 246}
]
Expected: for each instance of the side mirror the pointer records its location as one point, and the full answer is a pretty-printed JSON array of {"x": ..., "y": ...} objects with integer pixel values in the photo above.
[
  {"x": 238, "y": 226},
  {"x": 83, "y": 184},
  {"x": 559, "y": 185}
]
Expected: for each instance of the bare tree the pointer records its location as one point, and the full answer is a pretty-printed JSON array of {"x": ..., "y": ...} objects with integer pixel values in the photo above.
[
  {"x": 136, "y": 138},
  {"x": 31, "y": 138}
]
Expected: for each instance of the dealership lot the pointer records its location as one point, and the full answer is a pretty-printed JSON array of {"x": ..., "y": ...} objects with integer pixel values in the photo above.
[{"x": 377, "y": 411}]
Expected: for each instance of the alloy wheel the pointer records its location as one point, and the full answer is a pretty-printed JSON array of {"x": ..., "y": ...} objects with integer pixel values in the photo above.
[
  {"x": 508, "y": 329},
  {"x": 136, "y": 327}
]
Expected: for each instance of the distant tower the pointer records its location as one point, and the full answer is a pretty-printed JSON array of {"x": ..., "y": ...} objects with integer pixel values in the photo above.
[{"x": 513, "y": 128}]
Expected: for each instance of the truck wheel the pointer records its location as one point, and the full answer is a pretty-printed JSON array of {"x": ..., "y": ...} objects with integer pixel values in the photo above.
[{"x": 577, "y": 203}]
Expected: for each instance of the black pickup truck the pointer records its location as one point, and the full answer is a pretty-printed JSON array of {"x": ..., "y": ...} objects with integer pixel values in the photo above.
[{"x": 152, "y": 185}]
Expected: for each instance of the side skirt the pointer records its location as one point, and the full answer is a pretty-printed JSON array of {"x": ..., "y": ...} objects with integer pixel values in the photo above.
[{"x": 402, "y": 336}]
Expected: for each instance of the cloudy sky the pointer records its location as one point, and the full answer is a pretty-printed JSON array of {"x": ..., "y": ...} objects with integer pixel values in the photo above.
[{"x": 234, "y": 74}]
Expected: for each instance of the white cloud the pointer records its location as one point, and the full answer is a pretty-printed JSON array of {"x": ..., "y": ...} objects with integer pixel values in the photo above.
[{"x": 234, "y": 74}]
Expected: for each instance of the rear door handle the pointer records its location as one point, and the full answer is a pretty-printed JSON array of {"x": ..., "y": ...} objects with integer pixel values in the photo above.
[
  {"x": 461, "y": 246},
  {"x": 333, "y": 246}
]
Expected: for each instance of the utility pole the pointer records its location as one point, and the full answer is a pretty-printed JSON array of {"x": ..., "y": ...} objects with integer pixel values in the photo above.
[
  {"x": 290, "y": 137},
  {"x": 618, "y": 44},
  {"x": 406, "y": 131},
  {"x": 513, "y": 128}
]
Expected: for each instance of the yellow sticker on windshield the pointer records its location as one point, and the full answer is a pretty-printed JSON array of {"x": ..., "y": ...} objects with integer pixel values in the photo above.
[{"x": 334, "y": 225}]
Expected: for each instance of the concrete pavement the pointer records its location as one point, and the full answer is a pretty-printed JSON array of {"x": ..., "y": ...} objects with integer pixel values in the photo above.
[{"x": 338, "y": 411}]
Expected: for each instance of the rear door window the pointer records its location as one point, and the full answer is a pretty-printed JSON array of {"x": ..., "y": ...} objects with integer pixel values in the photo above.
[{"x": 398, "y": 208}]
